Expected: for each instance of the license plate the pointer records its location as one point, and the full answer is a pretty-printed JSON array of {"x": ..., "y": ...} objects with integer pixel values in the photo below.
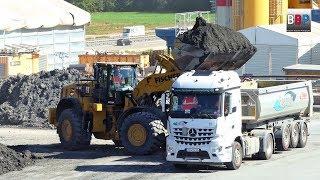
[{"x": 192, "y": 150}]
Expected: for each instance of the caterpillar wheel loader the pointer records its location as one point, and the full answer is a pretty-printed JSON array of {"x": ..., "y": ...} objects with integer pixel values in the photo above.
[{"x": 115, "y": 106}]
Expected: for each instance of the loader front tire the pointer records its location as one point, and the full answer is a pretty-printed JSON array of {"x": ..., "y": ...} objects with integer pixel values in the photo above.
[
  {"x": 142, "y": 133},
  {"x": 71, "y": 132}
]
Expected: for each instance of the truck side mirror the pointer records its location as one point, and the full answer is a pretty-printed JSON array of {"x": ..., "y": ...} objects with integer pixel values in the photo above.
[
  {"x": 227, "y": 104},
  {"x": 234, "y": 109}
]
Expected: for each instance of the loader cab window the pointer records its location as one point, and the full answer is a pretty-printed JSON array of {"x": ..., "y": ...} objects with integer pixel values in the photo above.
[{"x": 123, "y": 78}]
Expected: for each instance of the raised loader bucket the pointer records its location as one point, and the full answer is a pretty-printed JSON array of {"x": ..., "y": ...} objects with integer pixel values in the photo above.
[
  {"x": 211, "y": 47},
  {"x": 230, "y": 61}
]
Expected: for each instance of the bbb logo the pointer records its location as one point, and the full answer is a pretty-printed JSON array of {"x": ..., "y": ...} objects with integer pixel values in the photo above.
[{"x": 299, "y": 21}]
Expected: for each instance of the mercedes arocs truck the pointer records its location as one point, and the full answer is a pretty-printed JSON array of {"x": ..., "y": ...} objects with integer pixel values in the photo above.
[{"x": 215, "y": 118}]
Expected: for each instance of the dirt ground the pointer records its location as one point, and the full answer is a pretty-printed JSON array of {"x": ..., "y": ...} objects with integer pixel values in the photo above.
[{"x": 102, "y": 160}]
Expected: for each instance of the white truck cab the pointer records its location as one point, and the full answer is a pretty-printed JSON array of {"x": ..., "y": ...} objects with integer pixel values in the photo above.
[
  {"x": 213, "y": 120},
  {"x": 205, "y": 117}
]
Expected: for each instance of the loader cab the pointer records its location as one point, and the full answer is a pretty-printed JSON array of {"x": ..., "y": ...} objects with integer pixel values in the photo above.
[{"x": 114, "y": 81}]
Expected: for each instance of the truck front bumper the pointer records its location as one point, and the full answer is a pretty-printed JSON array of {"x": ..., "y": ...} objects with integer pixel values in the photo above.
[{"x": 216, "y": 152}]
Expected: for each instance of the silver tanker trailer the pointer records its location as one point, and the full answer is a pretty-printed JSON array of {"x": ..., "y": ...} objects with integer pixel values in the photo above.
[{"x": 217, "y": 119}]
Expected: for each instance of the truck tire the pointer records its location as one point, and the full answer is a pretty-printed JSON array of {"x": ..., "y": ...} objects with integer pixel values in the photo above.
[
  {"x": 303, "y": 136},
  {"x": 117, "y": 143},
  {"x": 283, "y": 142},
  {"x": 180, "y": 166},
  {"x": 237, "y": 156},
  {"x": 294, "y": 137},
  {"x": 265, "y": 155},
  {"x": 142, "y": 133},
  {"x": 71, "y": 132}
]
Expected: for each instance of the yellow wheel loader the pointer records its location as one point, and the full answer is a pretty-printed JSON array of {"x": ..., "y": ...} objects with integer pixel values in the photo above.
[{"x": 115, "y": 106}]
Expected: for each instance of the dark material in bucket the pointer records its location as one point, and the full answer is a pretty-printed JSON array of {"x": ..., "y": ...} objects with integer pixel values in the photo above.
[{"x": 214, "y": 47}]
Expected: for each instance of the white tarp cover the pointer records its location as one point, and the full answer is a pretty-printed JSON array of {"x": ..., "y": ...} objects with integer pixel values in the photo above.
[{"x": 32, "y": 14}]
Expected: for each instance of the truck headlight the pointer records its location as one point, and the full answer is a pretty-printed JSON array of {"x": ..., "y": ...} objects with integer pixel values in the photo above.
[
  {"x": 216, "y": 149},
  {"x": 169, "y": 148}
]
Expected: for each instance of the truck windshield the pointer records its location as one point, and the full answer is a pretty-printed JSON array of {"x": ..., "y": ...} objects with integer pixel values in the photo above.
[{"x": 193, "y": 105}]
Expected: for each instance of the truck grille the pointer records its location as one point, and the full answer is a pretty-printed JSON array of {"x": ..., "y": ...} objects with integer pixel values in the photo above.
[{"x": 193, "y": 136}]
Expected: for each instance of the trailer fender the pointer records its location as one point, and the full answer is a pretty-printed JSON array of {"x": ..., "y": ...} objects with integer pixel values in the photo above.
[{"x": 262, "y": 134}]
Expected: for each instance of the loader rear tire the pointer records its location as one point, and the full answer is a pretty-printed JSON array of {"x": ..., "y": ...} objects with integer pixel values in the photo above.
[
  {"x": 142, "y": 133},
  {"x": 71, "y": 132}
]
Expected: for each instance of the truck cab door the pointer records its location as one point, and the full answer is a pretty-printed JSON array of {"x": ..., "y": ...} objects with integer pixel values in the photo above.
[{"x": 231, "y": 117}]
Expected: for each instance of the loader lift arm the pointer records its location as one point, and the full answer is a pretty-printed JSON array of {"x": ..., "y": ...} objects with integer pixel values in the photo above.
[{"x": 157, "y": 83}]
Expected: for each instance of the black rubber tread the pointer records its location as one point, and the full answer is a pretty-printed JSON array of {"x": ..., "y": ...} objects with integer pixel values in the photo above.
[
  {"x": 265, "y": 155},
  {"x": 80, "y": 137},
  {"x": 280, "y": 145},
  {"x": 294, "y": 139},
  {"x": 231, "y": 165},
  {"x": 180, "y": 166},
  {"x": 117, "y": 143},
  {"x": 156, "y": 133},
  {"x": 302, "y": 143}
]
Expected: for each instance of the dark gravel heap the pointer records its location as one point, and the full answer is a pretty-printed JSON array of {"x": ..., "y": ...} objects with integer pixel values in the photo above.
[
  {"x": 24, "y": 100},
  {"x": 11, "y": 160},
  {"x": 220, "y": 42}
]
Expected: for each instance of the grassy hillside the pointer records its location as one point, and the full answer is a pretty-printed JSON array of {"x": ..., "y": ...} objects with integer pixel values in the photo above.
[{"x": 113, "y": 22}]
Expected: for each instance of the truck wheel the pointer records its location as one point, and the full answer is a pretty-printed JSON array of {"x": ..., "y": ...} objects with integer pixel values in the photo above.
[
  {"x": 117, "y": 143},
  {"x": 71, "y": 132},
  {"x": 294, "y": 138},
  {"x": 142, "y": 133},
  {"x": 180, "y": 166},
  {"x": 269, "y": 149},
  {"x": 303, "y": 136},
  {"x": 283, "y": 142},
  {"x": 237, "y": 156}
]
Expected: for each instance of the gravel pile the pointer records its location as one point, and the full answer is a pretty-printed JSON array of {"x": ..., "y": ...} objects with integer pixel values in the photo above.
[
  {"x": 11, "y": 160},
  {"x": 24, "y": 100},
  {"x": 221, "y": 43}
]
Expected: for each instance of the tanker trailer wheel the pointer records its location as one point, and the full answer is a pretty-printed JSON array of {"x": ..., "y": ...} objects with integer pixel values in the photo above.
[
  {"x": 71, "y": 132},
  {"x": 283, "y": 142},
  {"x": 303, "y": 136},
  {"x": 237, "y": 156},
  {"x": 142, "y": 133},
  {"x": 294, "y": 137}
]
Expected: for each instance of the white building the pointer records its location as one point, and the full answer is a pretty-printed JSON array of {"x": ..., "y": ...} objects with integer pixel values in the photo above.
[
  {"x": 278, "y": 48},
  {"x": 55, "y": 27}
]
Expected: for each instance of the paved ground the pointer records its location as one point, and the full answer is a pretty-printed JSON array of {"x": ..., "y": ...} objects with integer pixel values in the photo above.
[{"x": 106, "y": 162}]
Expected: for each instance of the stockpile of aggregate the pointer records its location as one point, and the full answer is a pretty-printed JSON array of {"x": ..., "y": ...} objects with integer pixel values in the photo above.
[
  {"x": 24, "y": 100},
  {"x": 221, "y": 43},
  {"x": 11, "y": 160}
]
